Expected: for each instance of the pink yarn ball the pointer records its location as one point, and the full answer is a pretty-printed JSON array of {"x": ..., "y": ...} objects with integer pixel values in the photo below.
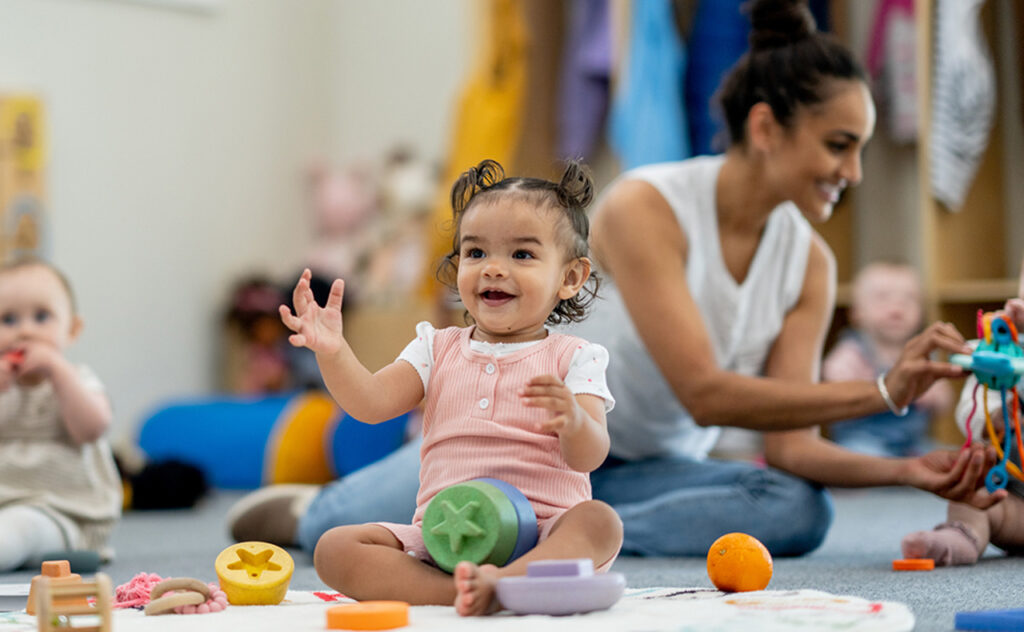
[{"x": 135, "y": 592}]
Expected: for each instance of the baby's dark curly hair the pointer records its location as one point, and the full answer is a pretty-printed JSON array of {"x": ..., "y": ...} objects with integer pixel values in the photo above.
[{"x": 571, "y": 195}]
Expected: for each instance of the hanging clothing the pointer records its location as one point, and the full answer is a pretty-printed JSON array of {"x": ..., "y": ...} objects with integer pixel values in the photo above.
[
  {"x": 892, "y": 64},
  {"x": 717, "y": 40},
  {"x": 963, "y": 99},
  {"x": 648, "y": 117},
  {"x": 586, "y": 78},
  {"x": 488, "y": 118}
]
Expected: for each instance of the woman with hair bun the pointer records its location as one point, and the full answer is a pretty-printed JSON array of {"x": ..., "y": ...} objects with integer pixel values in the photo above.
[
  {"x": 718, "y": 297},
  {"x": 716, "y": 302}
]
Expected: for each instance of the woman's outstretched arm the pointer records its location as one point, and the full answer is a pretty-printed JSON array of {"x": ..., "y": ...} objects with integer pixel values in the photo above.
[{"x": 638, "y": 242}]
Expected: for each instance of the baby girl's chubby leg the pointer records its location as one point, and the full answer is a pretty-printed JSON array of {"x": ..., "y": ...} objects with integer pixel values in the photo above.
[
  {"x": 368, "y": 562},
  {"x": 590, "y": 529}
]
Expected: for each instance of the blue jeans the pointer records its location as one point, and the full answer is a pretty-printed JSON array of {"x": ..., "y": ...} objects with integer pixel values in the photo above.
[{"x": 669, "y": 507}]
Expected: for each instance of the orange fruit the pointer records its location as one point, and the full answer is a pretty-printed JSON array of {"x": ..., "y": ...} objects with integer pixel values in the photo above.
[{"x": 738, "y": 562}]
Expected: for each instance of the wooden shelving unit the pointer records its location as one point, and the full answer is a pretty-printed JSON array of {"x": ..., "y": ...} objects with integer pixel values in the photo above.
[{"x": 970, "y": 259}]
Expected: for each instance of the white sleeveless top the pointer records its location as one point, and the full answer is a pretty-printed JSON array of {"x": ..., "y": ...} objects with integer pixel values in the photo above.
[{"x": 742, "y": 320}]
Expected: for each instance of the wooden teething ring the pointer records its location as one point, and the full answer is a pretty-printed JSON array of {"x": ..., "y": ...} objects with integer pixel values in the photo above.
[{"x": 193, "y": 592}]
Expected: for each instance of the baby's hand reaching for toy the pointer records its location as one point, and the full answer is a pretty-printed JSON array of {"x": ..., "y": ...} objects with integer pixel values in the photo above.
[
  {"x": 547, "y": 391},
  {"x": 315, "y": 327}
]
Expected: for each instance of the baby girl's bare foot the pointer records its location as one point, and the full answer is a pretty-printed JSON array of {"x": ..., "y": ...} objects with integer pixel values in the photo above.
[
  {"x": 474, "y": 588},
  {"x": 949, "y": 544}
]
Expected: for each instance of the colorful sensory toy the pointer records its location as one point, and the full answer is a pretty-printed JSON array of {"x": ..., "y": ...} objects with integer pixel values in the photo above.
[
  {"x": 997, "y": 363},
  {"x": 484, "y": 521}
]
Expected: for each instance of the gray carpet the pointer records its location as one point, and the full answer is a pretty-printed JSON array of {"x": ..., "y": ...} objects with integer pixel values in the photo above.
[{"x": 854, "y": 560}]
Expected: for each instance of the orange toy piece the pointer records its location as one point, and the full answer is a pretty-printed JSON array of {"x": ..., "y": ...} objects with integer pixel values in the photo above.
[
  {"x": 254, "y": 573},
  {"x": 57, "y": 572},
  {"x": 59, "y": 604},
  {"x": 738, "y": 562},
  {"x": 368, "y": 615},
  {"x": 913, "y": 564}
]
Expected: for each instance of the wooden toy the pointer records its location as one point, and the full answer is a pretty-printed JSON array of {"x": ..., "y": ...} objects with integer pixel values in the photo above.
[
  {"x": 997, "y": 363},
  {"x": 254, "y": 573},
  {"x": 484, "y": 521},
  {"x": 57, "y": 572},
  {"x": 58, "y": 604},
  {"x": 177, "y": 594},
  {"x": 368, "y": 615},
  {"x": 560, "y": 587}
]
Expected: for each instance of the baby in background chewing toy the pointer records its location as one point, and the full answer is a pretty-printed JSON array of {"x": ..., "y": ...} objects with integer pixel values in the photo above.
[{"x": 59, "y": 488}]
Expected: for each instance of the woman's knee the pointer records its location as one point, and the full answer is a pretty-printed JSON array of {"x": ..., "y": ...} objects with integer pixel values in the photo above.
[{"x": 799, "y": 512}]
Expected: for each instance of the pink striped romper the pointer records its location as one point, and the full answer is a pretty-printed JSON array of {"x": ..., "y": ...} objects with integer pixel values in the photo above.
[{"x": 474, "y": 425}]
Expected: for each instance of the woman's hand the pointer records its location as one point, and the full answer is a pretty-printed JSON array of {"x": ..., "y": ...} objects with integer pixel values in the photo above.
[
  {"x": 958, "y": 476},
  {"x": 915, "y": 371},
  {"x": 317, "y": 328}
]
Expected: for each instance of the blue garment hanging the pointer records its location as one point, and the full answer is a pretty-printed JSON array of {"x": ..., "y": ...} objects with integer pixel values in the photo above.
[
  {"x": 718, "y": 39},
  {"x": 647, "y": 123}
]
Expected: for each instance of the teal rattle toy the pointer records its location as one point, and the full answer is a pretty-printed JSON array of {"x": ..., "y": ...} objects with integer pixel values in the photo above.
[{"x": 997, "y": 363}]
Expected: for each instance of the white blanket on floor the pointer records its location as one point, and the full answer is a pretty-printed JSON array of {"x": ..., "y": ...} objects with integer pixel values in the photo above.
[{"x": 647, "y": 609}]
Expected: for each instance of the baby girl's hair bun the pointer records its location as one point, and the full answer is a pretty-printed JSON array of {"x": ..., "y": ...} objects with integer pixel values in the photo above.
[
  {"x": 576, "y": 188},
  {"x": 777, "y": 23},
  {"x": 483, "y": 176}
]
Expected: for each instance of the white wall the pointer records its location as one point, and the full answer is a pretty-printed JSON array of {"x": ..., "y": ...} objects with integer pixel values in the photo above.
[
  {"x": 399, "y": 65},
  {"x": 177, "y": 143}
]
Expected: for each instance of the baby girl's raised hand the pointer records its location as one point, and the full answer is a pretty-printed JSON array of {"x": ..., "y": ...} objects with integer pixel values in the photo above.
[
  {"x": 547, "y": 391},
  {"x": 315, "y": 327}
]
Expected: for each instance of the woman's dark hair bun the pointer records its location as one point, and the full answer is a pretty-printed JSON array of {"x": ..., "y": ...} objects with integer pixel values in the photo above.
[
  {"x": 576, "y": 188},
  {"x": 776, "y": 23}
]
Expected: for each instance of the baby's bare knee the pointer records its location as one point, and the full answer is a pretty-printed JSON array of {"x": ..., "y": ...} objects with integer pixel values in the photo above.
[
  {"x": 332, "y": 550},
  {"x": 602, "y": 523}
]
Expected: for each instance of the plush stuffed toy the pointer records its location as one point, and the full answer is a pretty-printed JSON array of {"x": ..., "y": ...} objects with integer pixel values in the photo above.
[
  {"x": 408, "y": 187},
  {"x": 344, "y": 205},
  {"x": 256, "y": 355}
]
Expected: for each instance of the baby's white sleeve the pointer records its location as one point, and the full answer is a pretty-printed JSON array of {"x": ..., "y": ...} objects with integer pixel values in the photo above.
[
  {"x": 420, "y": 352},
  {"x": 972, "y": 397},
  {"x": 586, "y": 373}
]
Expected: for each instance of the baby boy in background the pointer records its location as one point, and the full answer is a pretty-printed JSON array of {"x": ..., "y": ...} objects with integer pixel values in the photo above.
[
  {"x": 59, "y": 487},
  {"x": 886, "y": 312}
]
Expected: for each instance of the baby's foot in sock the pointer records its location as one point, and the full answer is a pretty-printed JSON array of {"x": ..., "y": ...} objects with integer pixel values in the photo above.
[
  {"x": 474, "y": 588},
  {"x": 949, "y": 544}
]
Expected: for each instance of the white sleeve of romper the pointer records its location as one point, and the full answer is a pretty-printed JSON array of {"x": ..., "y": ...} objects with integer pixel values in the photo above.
[
  {"x": 420, "y": 352},
  {"x": 586, "y": 373}
]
